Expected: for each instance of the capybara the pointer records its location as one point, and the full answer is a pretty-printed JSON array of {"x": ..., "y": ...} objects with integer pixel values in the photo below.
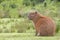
[{"x": 44, "y": 25}]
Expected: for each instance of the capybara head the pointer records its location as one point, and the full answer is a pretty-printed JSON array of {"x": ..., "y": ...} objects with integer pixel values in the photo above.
[{"x": 32, "y": 15}]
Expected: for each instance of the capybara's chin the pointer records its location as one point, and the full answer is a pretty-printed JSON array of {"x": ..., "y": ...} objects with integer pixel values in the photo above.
[{"x": 30, "y": 18}]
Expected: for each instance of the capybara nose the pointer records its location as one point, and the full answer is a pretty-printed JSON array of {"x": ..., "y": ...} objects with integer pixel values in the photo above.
[{"x": 28, "y": 17}]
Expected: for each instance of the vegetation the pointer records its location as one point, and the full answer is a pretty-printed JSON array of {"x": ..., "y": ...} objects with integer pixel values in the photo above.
[{"x": 13, "y": 15}]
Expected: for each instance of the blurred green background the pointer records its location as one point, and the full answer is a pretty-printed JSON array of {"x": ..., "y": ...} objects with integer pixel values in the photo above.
[{"x": 13, "y": 14}]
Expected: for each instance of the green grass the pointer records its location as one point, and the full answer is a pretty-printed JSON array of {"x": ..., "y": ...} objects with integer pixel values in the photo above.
[
  {"x": 29, "y": 35},
  {"x": 26, "y": 36}
]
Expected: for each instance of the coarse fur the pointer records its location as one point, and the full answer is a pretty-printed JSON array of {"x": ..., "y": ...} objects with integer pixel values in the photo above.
[{"x": 44, "y": 26}]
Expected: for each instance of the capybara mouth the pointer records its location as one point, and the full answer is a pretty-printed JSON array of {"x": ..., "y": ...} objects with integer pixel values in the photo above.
[{"x": 29, "y": 18}]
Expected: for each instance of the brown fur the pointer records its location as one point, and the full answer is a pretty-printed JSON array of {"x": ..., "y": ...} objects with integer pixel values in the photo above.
[{"x": 44, "y": 26}]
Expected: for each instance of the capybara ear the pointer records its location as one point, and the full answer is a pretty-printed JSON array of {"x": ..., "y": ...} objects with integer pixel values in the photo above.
[{"x": 36, "y": 12}]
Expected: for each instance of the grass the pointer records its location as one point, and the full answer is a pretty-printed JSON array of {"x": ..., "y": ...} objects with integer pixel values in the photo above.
[
  {"x": 29, "y": 35},
  {"x": 25, "y": 36}
]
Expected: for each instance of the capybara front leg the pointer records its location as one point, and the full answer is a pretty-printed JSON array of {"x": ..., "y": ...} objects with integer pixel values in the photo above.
[{"x": 37, "y": 31}]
